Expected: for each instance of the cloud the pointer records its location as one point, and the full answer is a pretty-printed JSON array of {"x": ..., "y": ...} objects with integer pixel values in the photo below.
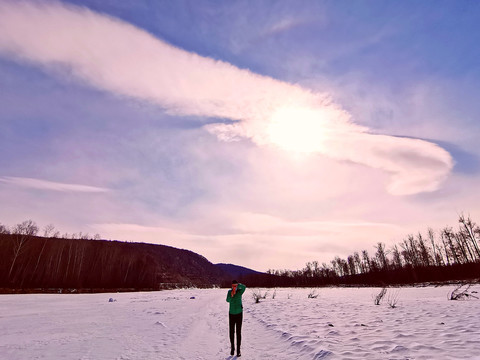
[
  {"x": 251, "y": 237},
  {"x": 117, "y": 57},
  {"x": 50, "y": 185},
  {"x": 282, "y": 25},
  {"x": 264, "y": 224}
]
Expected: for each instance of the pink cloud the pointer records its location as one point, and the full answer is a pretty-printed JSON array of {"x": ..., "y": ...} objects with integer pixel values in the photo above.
[
  {"x": 50, "y": 185},
  {"x": 117, "y": 57}
]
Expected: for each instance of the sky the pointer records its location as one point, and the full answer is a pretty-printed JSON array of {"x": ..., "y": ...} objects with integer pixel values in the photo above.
[{"x": 260, "y": 133}]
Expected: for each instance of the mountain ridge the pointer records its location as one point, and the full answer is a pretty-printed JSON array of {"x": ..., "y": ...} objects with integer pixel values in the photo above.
[{"x": 236, "y": 271}]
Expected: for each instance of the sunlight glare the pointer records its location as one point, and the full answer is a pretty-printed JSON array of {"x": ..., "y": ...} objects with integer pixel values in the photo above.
[{"x": 299, "y": 130}]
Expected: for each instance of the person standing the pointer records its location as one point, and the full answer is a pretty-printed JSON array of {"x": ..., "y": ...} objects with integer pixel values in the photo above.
[{"x": 235, "y": 314}]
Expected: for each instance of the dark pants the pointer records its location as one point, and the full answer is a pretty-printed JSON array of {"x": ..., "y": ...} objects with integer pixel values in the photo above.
[{"x": 235, "y": 321}]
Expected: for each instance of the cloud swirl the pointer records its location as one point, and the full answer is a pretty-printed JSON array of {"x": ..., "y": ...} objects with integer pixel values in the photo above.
[{"x": 117, "y": 57}]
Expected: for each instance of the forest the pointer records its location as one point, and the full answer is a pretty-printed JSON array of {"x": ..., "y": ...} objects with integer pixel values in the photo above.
[
  {"x": 32, "y": 263},
  {"x": 439, "y": 256},
  {"x": 82, "y": 263}
]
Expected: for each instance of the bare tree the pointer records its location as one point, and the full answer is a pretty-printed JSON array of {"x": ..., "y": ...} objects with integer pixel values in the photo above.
[
  {"x": 307, "y": 270},
  {"x": 437, "y": 253},
  {"x": 463, "y": 243},
  {"x": 381, "y": 256},
  {"x": 445, "y": 248},
  {"x": 397, "y": 259},
  {"x": 334, "y": 267},
  {"x": 406, "y": 253},
  {"x": 470, "y": 228},
  {"x": 27, "y": 228},
  {"x": 342, "y": 265},
  {"x": 48, "y": 230},
  {"x": 423, "y": 250},
  {"x": 4, "y": 229},
  {"x": 447, "y": 235},
  {"x": 366, "y": 261},
  {"x": 358, "y": 262},
  {"x": 316, "y": 268},
  {"x": 351, "y": 265},
  {"x": 23, "y": 231},
  {"x": 414, "y": 251}
]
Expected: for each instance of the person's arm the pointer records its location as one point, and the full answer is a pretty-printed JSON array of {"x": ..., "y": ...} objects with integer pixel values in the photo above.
[
  {"x": 241, "y": 289},
  {"x": 229, "y": 297}
]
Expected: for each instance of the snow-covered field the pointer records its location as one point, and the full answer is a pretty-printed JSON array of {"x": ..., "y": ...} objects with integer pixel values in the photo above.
[{"x": 340, "y": 323}]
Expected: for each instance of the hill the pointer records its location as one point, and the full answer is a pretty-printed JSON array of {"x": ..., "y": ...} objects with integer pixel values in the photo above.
[
  {"x": 236, "y": 271},
  {"x": 33, "y": 263}
]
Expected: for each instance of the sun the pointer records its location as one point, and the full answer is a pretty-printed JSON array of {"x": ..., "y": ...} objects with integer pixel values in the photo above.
[{"x": 298, "y": 130}]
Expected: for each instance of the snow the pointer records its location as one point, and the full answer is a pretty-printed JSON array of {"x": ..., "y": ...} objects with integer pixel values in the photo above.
[{"x": 341, "y": 323}]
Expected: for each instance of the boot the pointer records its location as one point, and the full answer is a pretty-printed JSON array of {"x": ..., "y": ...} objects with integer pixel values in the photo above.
[
  {"x": 232, "y": 351},
  {"x": 238, "y": 351}
]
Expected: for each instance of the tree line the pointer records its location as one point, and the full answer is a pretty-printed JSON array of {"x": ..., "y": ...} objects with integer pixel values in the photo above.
[
  {"x": 81, "y": 263},
  {"x": 437, "y": 256},
  {"x": 85, "y": 263}
]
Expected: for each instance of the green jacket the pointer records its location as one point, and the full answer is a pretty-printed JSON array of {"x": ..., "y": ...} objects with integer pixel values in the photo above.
[{"x": 235, "y": 301}]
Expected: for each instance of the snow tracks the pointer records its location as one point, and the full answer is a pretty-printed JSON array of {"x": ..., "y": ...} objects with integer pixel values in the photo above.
[{"x": 170, "y": 325}]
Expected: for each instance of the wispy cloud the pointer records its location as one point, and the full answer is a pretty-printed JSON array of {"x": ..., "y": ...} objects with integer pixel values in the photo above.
[
  {"x": 115, "y": 56},
  {"x": 50, "y": 185},
  {"x": 265, "y": 229},
  {"x": 282, "y": 25},
  {"x": 244, "y": 224},
  {"x": 257, "y": 224},
  {"x": 134, "y": 228}
]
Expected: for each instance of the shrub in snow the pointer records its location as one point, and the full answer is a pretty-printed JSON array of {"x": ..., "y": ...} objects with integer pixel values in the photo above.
[
  {"x": 257, "y": 295},
  {"x": 392, "y": 299},
  {"x": 378, "y": 298},
  {"x": 462, "y": 292}
]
